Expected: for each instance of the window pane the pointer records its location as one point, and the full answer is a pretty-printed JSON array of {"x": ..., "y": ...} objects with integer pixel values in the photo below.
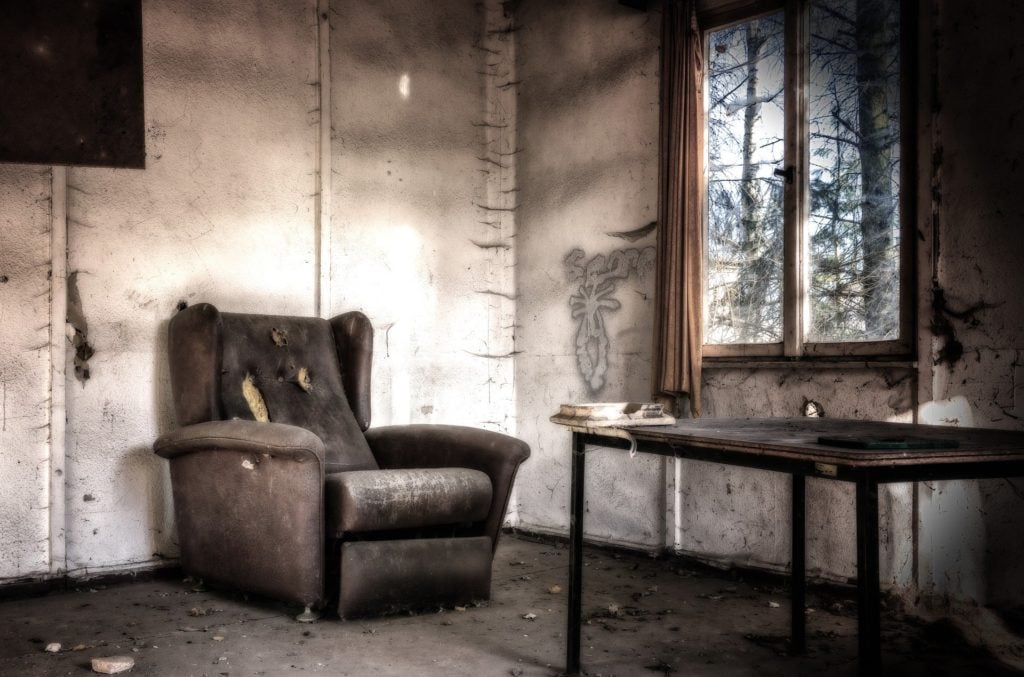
[
  {"x": 743, "y": 295},
  {"x": 854, "y": 229}
]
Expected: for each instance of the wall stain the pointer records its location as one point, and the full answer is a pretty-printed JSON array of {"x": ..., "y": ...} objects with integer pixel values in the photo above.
[
  {"x": 80, "y": 341},
  {"x": 593, "y": 298},
  {"x": 942, "y": 326}
]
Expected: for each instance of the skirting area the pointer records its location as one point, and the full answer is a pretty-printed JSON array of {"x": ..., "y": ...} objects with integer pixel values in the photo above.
[{"x": 643, "y": 616}]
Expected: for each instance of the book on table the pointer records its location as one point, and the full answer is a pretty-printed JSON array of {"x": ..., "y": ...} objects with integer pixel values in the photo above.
[{"x": 612, "y": 414}]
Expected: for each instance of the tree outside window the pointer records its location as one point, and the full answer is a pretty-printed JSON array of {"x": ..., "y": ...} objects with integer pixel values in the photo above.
[{"x": 803, "y": 143}]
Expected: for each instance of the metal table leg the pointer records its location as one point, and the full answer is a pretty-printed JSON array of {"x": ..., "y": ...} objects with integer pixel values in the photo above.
[
  {"x": 869, "y": 632},
  {"x": 797, "y": 566},
  {"x": 572, "y": 655}
]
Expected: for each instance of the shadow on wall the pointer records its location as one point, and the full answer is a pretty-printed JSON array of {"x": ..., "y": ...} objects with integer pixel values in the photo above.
[
  {"x": 159, "y": 505},
  {"x": 141, "y": 468}
]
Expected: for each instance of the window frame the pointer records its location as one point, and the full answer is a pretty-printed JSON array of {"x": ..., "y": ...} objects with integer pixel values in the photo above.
[{"x": 796, "y": 154}]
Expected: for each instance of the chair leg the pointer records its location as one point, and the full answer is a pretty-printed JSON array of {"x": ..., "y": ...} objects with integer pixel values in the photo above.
[{"x": 308, "y": 615}]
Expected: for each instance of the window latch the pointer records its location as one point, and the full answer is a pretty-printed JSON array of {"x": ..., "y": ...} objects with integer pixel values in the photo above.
[{"x": 786, "y": 173}]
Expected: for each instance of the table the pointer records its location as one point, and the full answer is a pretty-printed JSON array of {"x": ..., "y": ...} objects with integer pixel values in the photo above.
[{"x": 791, "y": 446}]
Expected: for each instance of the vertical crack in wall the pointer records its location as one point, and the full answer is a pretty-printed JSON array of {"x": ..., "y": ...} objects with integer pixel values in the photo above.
[
  {"x": 57, "y": 420},
  {"x": 498, "y": 204},
  {"x": 322, "y": 225},
  {"x": 80, "y": 340}
]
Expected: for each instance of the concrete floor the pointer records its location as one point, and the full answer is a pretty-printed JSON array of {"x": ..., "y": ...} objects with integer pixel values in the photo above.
[{"x": 646, "y": 616}]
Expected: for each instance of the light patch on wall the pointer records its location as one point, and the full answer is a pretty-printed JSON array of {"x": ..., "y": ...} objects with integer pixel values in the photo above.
[
  {"x": 403, "y": 85},
  {"x": 405, "y": 305},
  {"x": 955, "y": 411},
  {"x": 401, "y": 289}
]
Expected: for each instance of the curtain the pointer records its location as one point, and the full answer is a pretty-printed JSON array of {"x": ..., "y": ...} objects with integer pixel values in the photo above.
[{"x": 680, "y": 249}]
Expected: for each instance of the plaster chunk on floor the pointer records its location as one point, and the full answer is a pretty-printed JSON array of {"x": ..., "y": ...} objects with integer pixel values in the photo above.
[{"x": 111, "y": 665}]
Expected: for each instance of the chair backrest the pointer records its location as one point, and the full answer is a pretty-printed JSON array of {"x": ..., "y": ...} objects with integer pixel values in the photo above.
[{"x": 292, "y": 362}]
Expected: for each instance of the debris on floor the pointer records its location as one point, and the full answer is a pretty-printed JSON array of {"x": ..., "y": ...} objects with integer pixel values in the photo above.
[
  {"x": 642, "y": 615},
  {"x": 112, "y": 665}
]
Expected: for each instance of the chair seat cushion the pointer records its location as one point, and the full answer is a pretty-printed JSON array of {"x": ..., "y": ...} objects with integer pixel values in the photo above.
[{"x": 378, "y": 500}]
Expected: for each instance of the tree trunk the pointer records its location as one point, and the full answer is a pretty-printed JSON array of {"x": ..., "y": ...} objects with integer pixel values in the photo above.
[
  {"x": 878, "y": 204},
  {"x": 751, "y": 293}
]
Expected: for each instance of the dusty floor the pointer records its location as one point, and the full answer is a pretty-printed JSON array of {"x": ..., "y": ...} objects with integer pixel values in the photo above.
[{"x": 645, "y": 616}]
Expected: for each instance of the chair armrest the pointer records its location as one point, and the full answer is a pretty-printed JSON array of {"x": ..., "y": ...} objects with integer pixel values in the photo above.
[
  {"x": 444, "y": 446},
  {"x": 248, "y": 502},
  {"x": 449, "y": 446},
  {"x": 277, "y": 439}
]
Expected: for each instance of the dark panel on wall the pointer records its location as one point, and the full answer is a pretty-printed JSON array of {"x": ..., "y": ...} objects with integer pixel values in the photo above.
[{"x": 71, "y": 82}]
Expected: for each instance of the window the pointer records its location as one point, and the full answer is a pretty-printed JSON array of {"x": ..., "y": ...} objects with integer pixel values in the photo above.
[{"x": 806, "y": 202}]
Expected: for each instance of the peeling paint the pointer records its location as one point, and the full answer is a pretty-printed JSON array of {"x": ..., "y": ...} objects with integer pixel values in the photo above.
[
  {"x": 812, "y": 409},
  {"x": 80, "y": 338},
  {"x": 942, "y": 325}
]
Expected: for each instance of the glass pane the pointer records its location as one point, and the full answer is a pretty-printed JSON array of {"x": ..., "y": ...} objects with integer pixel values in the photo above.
[
  {"x": 743, "y": 294},
  {"x": 854, "y": 228}
]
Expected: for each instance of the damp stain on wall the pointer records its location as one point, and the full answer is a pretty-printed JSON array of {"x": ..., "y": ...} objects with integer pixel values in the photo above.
[
  {"x": 597, "y": 279},
  {"x": 80, "y": 339}
]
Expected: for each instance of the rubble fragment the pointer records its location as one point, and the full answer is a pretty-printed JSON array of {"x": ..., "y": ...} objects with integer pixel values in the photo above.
[{"x": 111, "y": 665}]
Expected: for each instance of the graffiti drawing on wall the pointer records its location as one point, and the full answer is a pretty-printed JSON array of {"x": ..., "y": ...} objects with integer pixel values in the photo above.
[{"x": 598, "y": 279}]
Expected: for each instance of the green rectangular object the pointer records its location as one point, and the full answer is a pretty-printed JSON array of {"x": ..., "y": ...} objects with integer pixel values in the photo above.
[{"x": 877, "y": 442}]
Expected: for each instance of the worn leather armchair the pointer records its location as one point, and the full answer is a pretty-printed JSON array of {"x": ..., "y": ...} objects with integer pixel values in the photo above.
[{"x": 281, "y": 489}]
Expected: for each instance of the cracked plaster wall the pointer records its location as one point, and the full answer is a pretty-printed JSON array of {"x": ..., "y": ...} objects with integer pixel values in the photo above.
[
  {"x": 588, "y": 124},
  {"x": 970, "y": 531},
  {"x": 589, "y": 132},
  {"x": 222, "y": 213},
  {"x": 24, "y": 370},
  {"x": 742, "y": 515},
  {"x": 421, "y": 233},
  {"x": 226, "y": 212}
]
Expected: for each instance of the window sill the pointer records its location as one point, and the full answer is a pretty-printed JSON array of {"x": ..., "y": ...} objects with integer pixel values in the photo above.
[{"x": 809, "y": 363}]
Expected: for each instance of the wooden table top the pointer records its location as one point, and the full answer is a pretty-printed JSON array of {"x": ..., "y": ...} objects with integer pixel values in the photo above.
[{"x": 797, "y": 438}]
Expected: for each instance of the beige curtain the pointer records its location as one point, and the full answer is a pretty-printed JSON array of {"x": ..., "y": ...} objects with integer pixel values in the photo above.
[{"x": 677, "y": 330}]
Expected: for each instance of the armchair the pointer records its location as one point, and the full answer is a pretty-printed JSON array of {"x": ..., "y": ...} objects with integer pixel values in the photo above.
[{"x": 281, "y": 488}]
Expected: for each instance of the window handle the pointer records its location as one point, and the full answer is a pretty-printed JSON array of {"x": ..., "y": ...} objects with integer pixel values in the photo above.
[{"x": 787, "y": 173}]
